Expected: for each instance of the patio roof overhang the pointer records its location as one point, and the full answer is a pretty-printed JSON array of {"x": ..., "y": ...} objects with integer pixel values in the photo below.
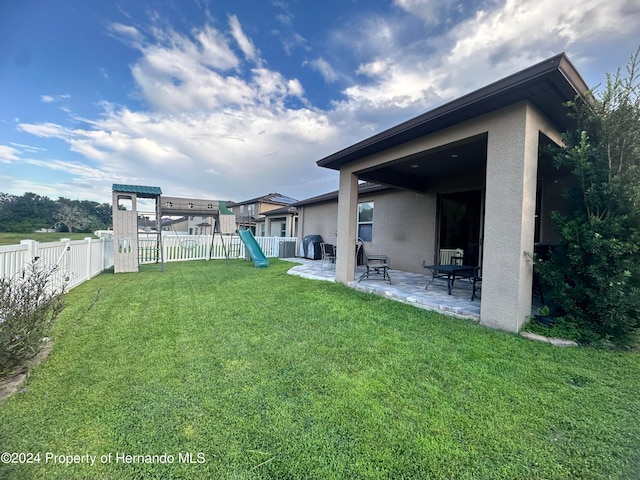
[{"x": 547, "y": 85}]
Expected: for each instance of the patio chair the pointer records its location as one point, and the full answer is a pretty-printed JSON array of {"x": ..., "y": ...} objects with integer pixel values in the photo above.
[
  {"x": 458, "y": 257},
  {"x": 378, "y": 266},
  {"x": 328, "y": 254},
  {"x": 477, "y": 283}
]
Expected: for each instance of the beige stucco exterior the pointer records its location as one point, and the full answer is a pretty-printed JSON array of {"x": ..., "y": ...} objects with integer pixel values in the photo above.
[
  {"x": 511, "y": 181},
  {"x": 405, "y": 222},
  {"x": 319, "y": 219}
]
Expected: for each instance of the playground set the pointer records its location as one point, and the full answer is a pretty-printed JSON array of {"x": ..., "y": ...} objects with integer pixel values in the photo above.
[{"x": 125, "y": 225}]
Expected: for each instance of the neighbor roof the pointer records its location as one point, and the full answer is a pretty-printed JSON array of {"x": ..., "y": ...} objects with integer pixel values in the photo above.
[
  {"x": 273, "y": 198},
  {"x": 363, "y": 188},
  {"x": 140, "y": 190},
  {"x": 548, "y": 85},
  {"x": 286, "y": 210}
]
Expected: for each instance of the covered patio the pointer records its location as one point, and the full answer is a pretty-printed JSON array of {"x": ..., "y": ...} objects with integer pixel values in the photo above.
[{"x": 482, "y": 151}]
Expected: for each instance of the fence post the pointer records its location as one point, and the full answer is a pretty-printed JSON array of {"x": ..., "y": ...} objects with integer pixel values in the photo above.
[
  {"x": 88, "y": 240},
  {"x": 32, "y": 249},
  {"x": 102, "y": 252}
]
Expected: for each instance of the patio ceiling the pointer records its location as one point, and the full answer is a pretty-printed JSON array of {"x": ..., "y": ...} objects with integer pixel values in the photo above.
[{"x": 420, "y": 171}]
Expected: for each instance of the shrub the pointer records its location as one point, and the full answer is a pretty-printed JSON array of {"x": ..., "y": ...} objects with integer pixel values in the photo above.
[
  {"x": 593, "y": 274},
  {"x": 29, "y": 303}
]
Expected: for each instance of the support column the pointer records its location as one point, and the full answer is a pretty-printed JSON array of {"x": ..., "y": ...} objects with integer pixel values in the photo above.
[
  {"x": 507, "y": 271},
  {"x": 346, "y": 235}
]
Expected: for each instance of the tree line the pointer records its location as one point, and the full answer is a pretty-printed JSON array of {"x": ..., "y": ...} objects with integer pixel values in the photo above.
[{"x": 30, "y": 212}]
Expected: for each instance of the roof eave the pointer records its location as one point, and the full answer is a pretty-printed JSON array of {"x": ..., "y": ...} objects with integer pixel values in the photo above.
[{"x": 478, "y": 99}]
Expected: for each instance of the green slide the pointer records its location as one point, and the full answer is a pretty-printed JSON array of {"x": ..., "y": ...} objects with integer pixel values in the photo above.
[{"x": 255, "y": 252}]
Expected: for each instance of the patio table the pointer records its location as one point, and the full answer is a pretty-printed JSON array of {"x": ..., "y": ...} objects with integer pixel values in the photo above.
[{"x": 449, "y": 272}]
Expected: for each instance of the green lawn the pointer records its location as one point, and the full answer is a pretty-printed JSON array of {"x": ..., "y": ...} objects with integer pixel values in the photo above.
[
  {"x": 259, "y": 374},
  {"x": 14, "y": 238}
]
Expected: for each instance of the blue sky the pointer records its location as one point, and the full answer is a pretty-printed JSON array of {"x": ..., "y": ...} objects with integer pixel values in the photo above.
[{"x": 236, "y": 99}]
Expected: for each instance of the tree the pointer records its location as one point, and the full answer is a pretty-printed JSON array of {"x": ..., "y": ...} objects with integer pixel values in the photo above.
[
  {"x": 30, "y": 212},
  {"x": 25, "y": 213},
  {"x": 593, "y": 274},
  {"x": 72, "y": 216}
]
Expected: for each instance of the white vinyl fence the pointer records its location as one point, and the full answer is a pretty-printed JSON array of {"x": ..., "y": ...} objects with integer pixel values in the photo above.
[
  {"x": 75, "y": 261},
  {"x": 177, "y": 248},
  {"x": 79, "y": 260}
]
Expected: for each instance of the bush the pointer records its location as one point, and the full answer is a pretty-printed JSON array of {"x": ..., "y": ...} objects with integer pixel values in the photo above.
[
  {"x": 593, "y": 274},
  {"x": 29, "y": 303},
  {"x": 592, "y": 277}
]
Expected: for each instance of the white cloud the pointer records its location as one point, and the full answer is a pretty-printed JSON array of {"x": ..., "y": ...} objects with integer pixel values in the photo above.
[
  {"x": 76, "y": 169},
  {"x": 221, "y": 121},
  {"x": 482, "y": 47},
  {"x": 127, "y": 33},
  {"x": 244, "y": 43},
  {"x": 373, "y": 69},
  {"x": 27, "y": 148},
  {"x": 264, "y": 145},
  {"x": 46, "y": 130},
  {"x": 431, "y": 11},
  {"x": 324, "y": 68},
  {"x": 7, "y": 154},
  {"x": 54, "y": 98}
]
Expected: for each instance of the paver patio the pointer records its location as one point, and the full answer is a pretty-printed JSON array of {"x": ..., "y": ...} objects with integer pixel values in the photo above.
[{"x": 405, "y": 287}]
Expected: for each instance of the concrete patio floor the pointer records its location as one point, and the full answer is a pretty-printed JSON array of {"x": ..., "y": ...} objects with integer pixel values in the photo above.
[{"x": 405, "y": 287}]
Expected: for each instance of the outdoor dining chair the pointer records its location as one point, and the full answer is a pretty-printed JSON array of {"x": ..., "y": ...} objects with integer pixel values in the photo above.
[
  {"x": 377, "y": 268},
  {"x": 328, "y": 254}
]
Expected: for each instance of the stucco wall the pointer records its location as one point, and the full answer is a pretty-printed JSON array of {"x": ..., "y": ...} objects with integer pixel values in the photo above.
[
  {"x": 319, "y": 219},
  {"x": 403, "y": 228}
]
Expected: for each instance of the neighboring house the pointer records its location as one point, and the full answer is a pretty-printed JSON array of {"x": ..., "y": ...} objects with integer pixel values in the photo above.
[
  {"x": 280, "y": 222},
  {"x": 469, "y": 174},
  {"x": 250, "y": 213},
  {"x": 199, "y": 225},
  {"x": 176, "y": 225}
]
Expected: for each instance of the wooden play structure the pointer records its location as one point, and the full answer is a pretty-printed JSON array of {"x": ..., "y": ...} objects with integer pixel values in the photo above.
[{"x": 125, "y": 222}]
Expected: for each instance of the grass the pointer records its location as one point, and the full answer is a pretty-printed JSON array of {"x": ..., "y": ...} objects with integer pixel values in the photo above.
[
  {"x": 267, "y": 375},
  {"x": 15, "y": 238}
]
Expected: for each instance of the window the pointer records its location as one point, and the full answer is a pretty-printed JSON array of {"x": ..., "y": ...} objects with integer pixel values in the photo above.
[
  {"x": 125, "y": 244},
  {"x": 365, "y": 221},
  {"x": 125, "y": 202}
]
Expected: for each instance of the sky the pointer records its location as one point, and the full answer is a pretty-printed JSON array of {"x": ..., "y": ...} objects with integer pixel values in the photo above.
[{"x": 234, "y": 99}]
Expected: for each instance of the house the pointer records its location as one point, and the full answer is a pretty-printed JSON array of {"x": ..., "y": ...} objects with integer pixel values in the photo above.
[
  {"x": 198, "y": 225},
  {"x": 280, "y": 222},
  {"x": 175, "y": 225},
  {"x": 470, "y": 174},
  {"x": 250, "y": 213}
]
